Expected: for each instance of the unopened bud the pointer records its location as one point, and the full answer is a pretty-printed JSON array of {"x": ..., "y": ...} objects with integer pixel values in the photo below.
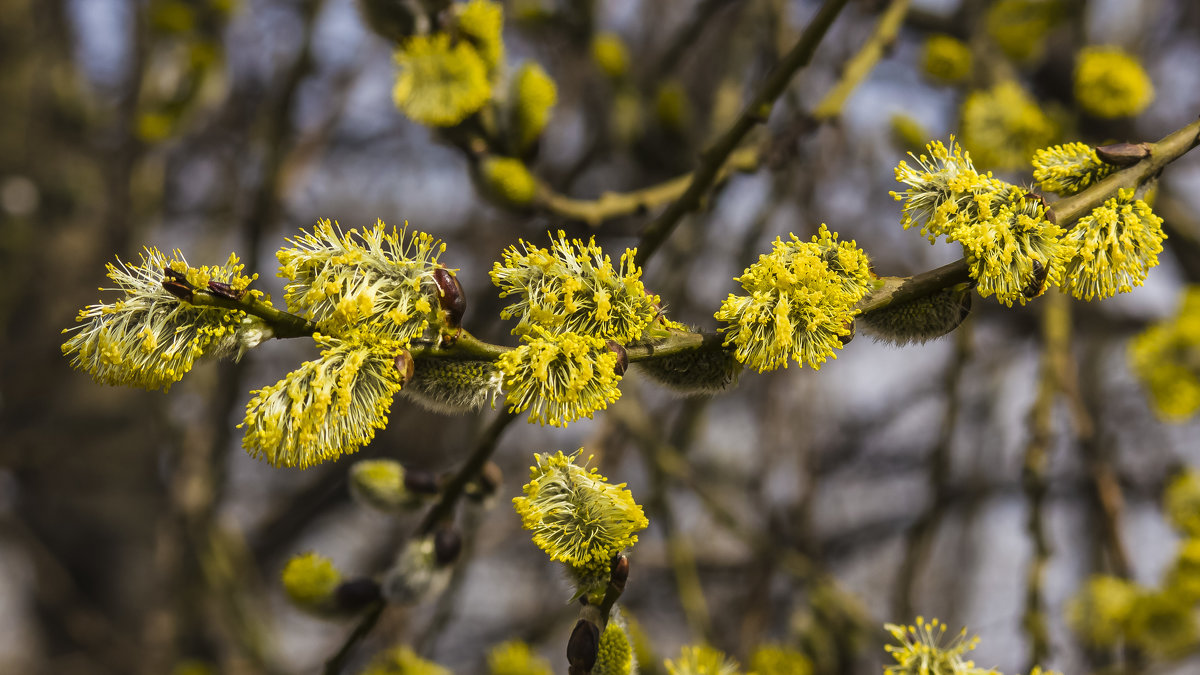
[
  {"x": 584, "y": 646},
  {"x": 485, "y": 483},
  {"x": 404, "y": 366},
  {"x": 622, "y": 356},
  {"x": 620, "y": 572},
  {"x": 352, "y": 596},
  {"x": 225, "y": 290},
  {"x": 699, "y": 372},
  {"x": 421, "y": 482},
  {"x": 178, "y": 289},
  {"x": 1123, "y": 154},
  {"x": 447, "y": 544},
  {"x": 451, "y": 297},
  {"x": 920, "y": 320}
]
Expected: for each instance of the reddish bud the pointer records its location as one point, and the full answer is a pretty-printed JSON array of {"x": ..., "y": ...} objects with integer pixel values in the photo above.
[
  {"x": 225, "y": 290},
  {"x": 584, "y": 646},
  {"x": 1123, "y": 154},
  {"x": 450, "y": 296},
  {"x": 622, "y": 357},
  {"x": 180, "y": 290},
  {"x": 447, "y": 544},
  {"x": 620, "y": 572},
  {"x": 404, "y": 366},
  {"x": 421, "y": 482}
]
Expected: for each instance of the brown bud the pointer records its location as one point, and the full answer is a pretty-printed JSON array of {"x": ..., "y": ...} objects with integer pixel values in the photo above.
[
  {"x": 421, "y": 482},
  {"x": 225, "y": 290},
  {"x": 404, "y": 366},
  {"x": 355, "y": 594},
  {"x": 584, "y": 646},
  {"x": 1123, "y": 154},
  {"x": 450, "y": 296},
  {"x": 1036, "y": 197},
  {"x": 446, "y": 546},
  {"x": 1038, "y": 282},
  {"x": 620, "y": 572},
  {"x": 622, "y": 357},
  {"x": 176, "y": 276},
  {"x": 490, "y": 478},
  {"x": 180, "y": 290}
]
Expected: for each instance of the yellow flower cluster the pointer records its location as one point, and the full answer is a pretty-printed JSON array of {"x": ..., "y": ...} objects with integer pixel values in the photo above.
[
  {"x": 533, "y": 95},
  {"x": 372, "y": 279},
  {"x": 1182, "y": 503},
  {"x": 1003, "y": 126},
  {"x": 516, "y": 658},
  {"x": 573, "y": 287},
  {"x": 508, "y": 179},
  {"x": 1013, "y": 250},
  {"x": 310, "y": 580},
  {"x": 1099, "y": 612},
  {"x": 921, "y": 650},
  {"x": 1020, "y": 27},
  {"x": 1166, "y": 358},
  {"x": 441, "y": 83},
  {"x": 446, "y": 77},
  {"x": 403, "y": 661},
  {"x": 560, "y": 377},
  {"x": 615, "y": 655},
  {"x": 1111, "y": 83},
  {"x": 1113, "y": 248},
  {"x": 1068, "y": 169},
  {"x": 1108, "y": 611},
  {"x": 577, "y": 516},
  {"x": 482, "y": 22},
  {"x": 775, "y": 660},
  {"x": 379, "y": 484},
  {"x": 946, "y": 59},
  {"x": 702, "y": 660},
  {"x": 327, "y": 407},
  {"x": 151, "y": 338},
  {"x": 610, "y": 54},
  {"x": 800, "y": 302}
]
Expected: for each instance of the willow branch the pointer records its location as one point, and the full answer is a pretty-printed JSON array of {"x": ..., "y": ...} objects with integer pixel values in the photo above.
[
  {"x": 861, "y": 64},
  {"x": 284, "y": 324},
  {"x": 1056, "y": 336},
  {"x": 453, "y": 489},
  {"x": 1064, "y": 212},
  {"x": 611, "y": 205},
  {"x": 753, "y": 114}
]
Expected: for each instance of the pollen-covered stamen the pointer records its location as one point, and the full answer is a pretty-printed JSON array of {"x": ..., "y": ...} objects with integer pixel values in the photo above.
[
  {"x": 1067, "y": 169},
  {"x": 380, "y": 279},
  {"x": 800, "y": 302},
  {"x": 327, "y": 407},
  {"x": 574, "y": 287},
  {"x": 560, "y": 377},
  {"x": 1112, "y": 249},
  {"x": 152, "y": 335}
]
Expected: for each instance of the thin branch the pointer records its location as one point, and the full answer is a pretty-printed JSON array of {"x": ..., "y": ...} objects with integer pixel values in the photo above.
[
  {"x": 1064, "y": 212},
  {"x": 453, "y": 489},
  {"x": 611, "y": 205},
  {"x": 1056, "y": 339},
  {"x": 338, "y": 661},
  {"x": 753, "y": 114},
  {"x": 861, "y": 64}
]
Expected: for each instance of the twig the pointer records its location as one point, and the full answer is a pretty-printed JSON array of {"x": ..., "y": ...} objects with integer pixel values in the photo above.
[
  {"x": 753, "y": 114},
  {"x": 611, "y": 205},
  {"x": 861, "y": 64},
  {"x": 1065, "y": 212},
  {"x": 336, "y": 662},
  {"x": 1056, "y": 336},
  {"x": 453, "y": 489},
  {"x": 921, "y": 536}
]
